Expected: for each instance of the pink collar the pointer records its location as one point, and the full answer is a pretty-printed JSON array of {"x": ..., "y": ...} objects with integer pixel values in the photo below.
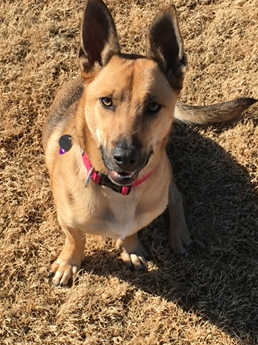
[{"x": 105, "y": 181}]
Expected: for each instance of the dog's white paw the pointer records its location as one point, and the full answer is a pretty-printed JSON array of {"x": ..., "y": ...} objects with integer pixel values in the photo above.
[
  {"x": 63, "y": 271},
  {"x": 136, "y": 262},
  {"x": 133, "y": 253}
]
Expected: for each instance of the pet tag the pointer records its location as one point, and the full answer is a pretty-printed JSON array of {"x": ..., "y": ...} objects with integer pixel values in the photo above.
[{"x": 65, "y": 143}]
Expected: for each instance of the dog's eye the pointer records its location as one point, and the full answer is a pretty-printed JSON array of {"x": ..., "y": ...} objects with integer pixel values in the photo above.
[
  {"x": 106, "y": 102},
  {"x": 154, "y": 107}
]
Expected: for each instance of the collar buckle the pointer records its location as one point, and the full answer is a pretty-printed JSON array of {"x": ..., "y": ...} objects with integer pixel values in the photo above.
[{"x": 89, "y": 176}]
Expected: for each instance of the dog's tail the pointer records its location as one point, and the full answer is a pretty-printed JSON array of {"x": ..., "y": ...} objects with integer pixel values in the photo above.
[{"x": 221, "y": 112}]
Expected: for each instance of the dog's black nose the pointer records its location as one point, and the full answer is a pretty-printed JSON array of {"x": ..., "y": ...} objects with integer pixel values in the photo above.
[{"x": 126, "y": 157}]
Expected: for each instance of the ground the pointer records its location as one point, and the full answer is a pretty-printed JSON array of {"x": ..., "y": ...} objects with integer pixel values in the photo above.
[{"x": 209, "y": 296}]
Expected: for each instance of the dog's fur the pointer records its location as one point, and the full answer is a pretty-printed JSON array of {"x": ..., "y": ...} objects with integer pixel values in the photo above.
[{"x": 119, "y": 111}]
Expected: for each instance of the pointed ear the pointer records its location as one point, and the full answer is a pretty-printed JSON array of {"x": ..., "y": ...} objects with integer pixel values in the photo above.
[
  {"x": 165, "y": 46},
  {"x": 99, "y": 41}
]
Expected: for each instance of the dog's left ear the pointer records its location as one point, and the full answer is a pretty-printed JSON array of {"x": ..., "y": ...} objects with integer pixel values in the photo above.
[
  {"x": 165, "y": 46},
  {"x": 99, "y": 40}
]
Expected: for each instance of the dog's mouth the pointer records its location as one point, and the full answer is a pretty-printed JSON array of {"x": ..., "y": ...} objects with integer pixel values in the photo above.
[{"x": 122, "y": 178}]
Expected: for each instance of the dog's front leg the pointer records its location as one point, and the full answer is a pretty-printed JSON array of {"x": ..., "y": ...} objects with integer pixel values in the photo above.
[
  {"x": 179, "y": 235},
  {"x": 70, "y": 259},
  {"x": 133, "y": 253}
]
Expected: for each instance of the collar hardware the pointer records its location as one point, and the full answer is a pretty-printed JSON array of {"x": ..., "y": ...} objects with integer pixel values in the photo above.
[{"x": 89, "y": 176}]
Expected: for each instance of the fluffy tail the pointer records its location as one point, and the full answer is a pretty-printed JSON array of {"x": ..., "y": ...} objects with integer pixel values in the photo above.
[{"x": 221, "y": 112}]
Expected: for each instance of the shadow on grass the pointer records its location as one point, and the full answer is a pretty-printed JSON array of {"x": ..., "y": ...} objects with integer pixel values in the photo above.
[{"x": 218, "y": 278}]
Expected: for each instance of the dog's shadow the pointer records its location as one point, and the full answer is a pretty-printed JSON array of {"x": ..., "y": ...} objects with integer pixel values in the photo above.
[{"x": 218, "y": 278}]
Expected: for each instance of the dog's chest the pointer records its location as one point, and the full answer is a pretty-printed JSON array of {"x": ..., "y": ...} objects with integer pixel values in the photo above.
[
  {"x": 125, "y": 215},
  {"x": 120, "y": 217},
  {"x": 116, "y": 219}
]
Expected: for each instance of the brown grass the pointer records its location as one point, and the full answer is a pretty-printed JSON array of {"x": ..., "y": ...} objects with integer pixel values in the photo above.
[{"x": 208, "y": 297}]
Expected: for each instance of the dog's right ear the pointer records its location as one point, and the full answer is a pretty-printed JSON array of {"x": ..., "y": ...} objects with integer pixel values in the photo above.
[{"x": 99, "y": 40}]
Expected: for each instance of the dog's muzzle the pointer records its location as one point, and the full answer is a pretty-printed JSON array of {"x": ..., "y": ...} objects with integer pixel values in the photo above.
[{"x": 124, "y": 163}]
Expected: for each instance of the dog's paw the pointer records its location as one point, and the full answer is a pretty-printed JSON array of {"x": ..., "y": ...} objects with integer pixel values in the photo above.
[
  {"x": 133, "y": 253},
  {"x": 63, "y": 271},
  {"x": 180, "y": 241},
  {"x": 136, "y": 262}
]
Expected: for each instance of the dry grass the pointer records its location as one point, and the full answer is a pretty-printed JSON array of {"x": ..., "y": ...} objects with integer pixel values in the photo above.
[{"x": 208, "y": 297}]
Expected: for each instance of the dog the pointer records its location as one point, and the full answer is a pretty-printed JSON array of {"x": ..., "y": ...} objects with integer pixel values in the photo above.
[{"x": 105, "y": 140}]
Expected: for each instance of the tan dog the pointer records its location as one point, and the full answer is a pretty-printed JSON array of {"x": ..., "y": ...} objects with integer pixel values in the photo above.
[{"x": 106, "y": 136}]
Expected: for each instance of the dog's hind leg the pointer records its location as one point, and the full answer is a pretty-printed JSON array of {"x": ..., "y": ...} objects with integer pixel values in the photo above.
[
  {"x": 133, "y": 253},
  {"x": 179, "y": 235},
  {"x": 70, "y": 259}
]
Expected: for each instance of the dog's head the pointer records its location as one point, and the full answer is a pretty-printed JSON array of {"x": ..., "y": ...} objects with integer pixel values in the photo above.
[{"x": 129, "y": 100}]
